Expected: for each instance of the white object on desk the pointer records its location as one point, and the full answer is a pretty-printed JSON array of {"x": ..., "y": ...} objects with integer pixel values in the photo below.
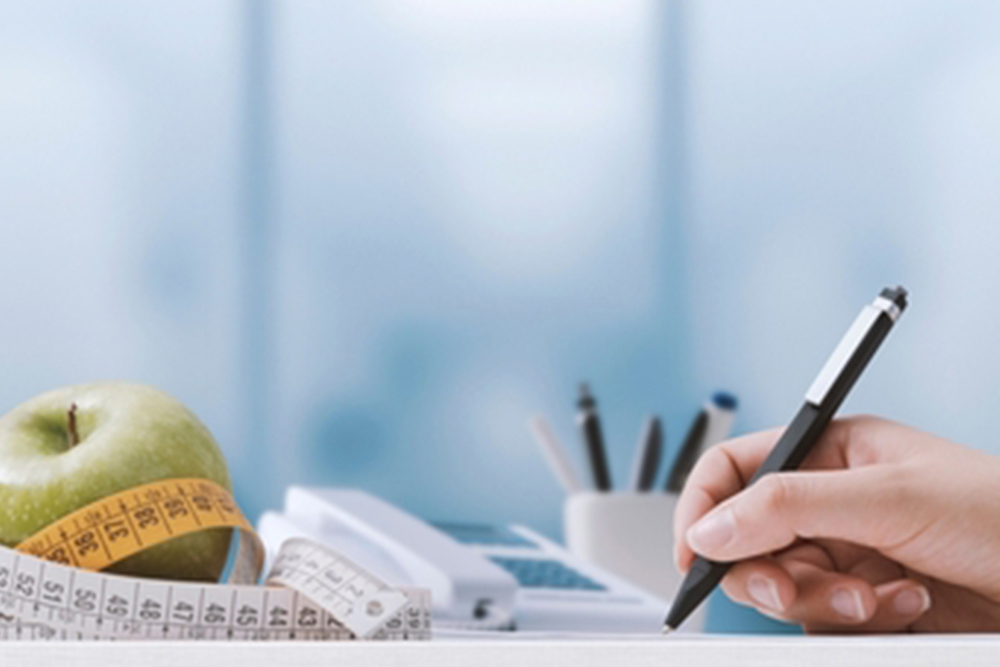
[
  {"x": 630, "y": 534},
  {"x": 479, "y": 575},
  {"x": 699, "y": 651}
]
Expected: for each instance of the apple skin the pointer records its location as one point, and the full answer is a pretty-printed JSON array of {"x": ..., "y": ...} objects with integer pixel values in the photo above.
[{"x": 129, "y": 434}]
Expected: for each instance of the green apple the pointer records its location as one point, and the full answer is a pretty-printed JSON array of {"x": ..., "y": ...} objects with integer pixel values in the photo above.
[{"x": 70, "y": 447}]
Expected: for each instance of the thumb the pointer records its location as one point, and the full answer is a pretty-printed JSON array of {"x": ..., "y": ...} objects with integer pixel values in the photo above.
[{"x": 861, "y": 505}]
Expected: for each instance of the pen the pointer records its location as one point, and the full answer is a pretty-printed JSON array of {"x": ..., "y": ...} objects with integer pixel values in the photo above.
[
  {"x": 647, "y": 456},
  {"x": 688, "y": 454},
  {"x": 711, "y": 426},
  {"x": 822, "y": 400},
  {"x": 555, "y": 454},
  {"x": 590, "y": 425},
  {"x": 721, "y": 411}
]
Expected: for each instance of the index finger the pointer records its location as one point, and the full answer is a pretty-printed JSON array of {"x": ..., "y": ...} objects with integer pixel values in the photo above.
[{"x": 720, "y": 472}]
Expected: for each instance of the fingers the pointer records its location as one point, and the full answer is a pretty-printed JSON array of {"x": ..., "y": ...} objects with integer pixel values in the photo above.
[
  {"x": 870, "y": 506},
  {"x": 899, "y": 604},
  {"x": 724, "y": 470},
  {"x": 802, "y": 593},
  {"x": 763, "y": 584},
  {"x": 721, "y": 472},
  {"x": 824, "y": 600}
]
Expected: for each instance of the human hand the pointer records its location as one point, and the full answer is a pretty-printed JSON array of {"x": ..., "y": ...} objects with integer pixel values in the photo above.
[{"x": 884, "y": 529}]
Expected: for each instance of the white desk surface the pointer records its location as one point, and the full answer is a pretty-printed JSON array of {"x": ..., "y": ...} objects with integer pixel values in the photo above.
[{"x": 745, "y": 651}]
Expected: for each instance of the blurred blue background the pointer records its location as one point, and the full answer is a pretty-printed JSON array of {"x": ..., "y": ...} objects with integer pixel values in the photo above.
[{"x": 366, "y": 241}]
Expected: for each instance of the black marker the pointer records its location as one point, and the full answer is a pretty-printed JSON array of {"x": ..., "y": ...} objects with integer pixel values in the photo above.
[
  {"x": 824, "y": 397},
  {"x": 593, "y": 439}
]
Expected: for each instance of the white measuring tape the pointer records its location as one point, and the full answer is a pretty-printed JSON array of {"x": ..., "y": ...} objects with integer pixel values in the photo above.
[{"x": 311, "y": 591}]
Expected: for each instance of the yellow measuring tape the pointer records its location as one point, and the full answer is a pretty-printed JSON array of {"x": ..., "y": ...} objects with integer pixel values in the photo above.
[{"x": 114, "y": 528}]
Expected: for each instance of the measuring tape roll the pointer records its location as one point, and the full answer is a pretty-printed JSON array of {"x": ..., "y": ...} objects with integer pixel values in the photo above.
[{"x": 50, "y": 587}]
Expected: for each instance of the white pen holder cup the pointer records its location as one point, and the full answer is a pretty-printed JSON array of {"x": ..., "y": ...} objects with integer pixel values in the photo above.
[{"x": 630, "y": 535}]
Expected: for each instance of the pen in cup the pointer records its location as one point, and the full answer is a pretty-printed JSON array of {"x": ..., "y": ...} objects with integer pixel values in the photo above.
[
  {"x": 647, "y": 457},
  {"x": 590, "y": 426},
  {"x": 555, "y": 454}
]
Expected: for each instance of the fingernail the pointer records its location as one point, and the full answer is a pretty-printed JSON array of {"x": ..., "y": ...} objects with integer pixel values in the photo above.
[
  {"x": 765, "y": 592},
  {"x": 712, "y": 532},
  {"x": 912, "y": 601},
  {"x": 848, "y": 604}
]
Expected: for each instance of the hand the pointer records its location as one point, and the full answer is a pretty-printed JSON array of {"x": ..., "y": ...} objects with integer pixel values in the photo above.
[{"x": 884, "y": 529}]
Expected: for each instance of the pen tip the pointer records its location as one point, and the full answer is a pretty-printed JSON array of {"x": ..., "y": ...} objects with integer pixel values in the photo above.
[{"x": 666, "y": 630}]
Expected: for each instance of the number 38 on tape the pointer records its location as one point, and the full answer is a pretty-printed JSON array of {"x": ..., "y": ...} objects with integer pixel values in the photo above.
[{"x": 50, "y": 589}]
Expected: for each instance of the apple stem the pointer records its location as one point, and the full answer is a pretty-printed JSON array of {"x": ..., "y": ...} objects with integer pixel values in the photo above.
[{"x": 74, "y": 435}]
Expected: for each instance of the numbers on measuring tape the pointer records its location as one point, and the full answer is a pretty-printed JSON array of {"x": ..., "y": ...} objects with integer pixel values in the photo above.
[
  {"x": 215, "y": 613},
  {"x": 277, "y": 617},
  {"x": 110, "y": 530},
  {"x": 49, "y": 588},
  {"x": 53, "y": 591},
  {"x": 307, "y": 617},
  {"x": 85, "y": 600},
  {"x": 183, "y": 612},
  {"x": 85, "y": 543},
  {"x": 202, "y": 504},
  {"x": 25, "y": 585},
  {"x": 116, "y": 606},
  {"x": 360, "y": 601},
  {"x": 175, "y": 508},
  {"x": 145, "y": 517},
  {"x": 116, "y": 530},
  {"x": 246, "y": 616},
  {"x": 150, "y": 610}
]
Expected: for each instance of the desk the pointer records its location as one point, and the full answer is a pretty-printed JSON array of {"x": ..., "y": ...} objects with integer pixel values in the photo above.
[{"x": 745, "y": 651}]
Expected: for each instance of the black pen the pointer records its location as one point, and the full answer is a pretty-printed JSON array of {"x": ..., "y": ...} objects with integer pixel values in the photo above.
[
  {"x": 711, "y": 426},
  {"x": 824, "y": 397},
  {"x": 688, "y": 454},
  {"x": 647, "y": 457},
  {"x": 590, "y": 425}
]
